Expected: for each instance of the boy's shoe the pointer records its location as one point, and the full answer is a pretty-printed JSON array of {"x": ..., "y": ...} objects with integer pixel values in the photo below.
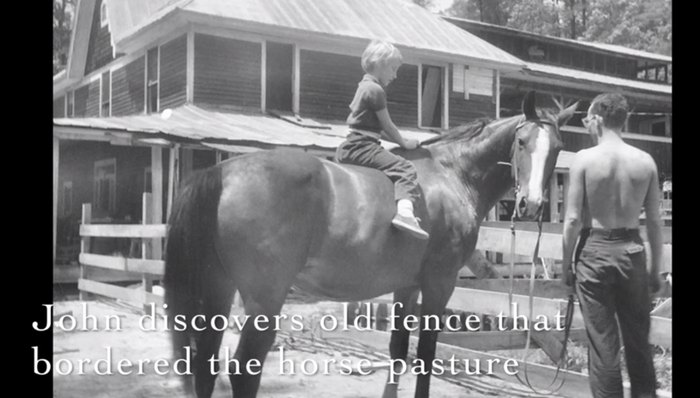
[{"x": 410, "y": 225}]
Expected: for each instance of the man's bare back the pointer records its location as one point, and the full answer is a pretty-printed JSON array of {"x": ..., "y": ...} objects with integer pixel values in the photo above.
[{"x": 617, "y": 180}]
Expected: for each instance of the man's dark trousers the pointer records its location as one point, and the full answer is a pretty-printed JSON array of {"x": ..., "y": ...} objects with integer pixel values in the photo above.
[{"x": 611, "y": 279}]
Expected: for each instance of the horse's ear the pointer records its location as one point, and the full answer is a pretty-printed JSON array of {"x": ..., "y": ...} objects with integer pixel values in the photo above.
[
  {"x": 566, "y": 114},
  {"x": 529, "y": 106}
]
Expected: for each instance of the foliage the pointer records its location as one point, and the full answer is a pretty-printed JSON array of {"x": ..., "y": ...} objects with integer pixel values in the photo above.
[
  {"x": 63, "y": 11},
  {"x": 639, "y": 24}
]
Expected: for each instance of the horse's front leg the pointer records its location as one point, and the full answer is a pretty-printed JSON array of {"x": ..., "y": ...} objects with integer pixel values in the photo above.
[
  {"x": 436, "y": 291},
  {"x": 398, "y": 347}
]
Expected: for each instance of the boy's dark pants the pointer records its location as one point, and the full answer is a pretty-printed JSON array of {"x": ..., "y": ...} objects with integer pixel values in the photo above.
[
  {"x": 611, "y": 279},
  {"x": 367, "y": 151}
]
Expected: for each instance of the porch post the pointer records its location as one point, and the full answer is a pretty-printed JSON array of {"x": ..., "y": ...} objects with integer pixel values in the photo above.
[
  {"x": 56, "y": 144},
  {"x": 157, "y": 192}
]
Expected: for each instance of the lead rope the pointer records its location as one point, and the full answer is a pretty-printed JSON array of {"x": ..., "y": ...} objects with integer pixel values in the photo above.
[{"x": 567, "y": 320}]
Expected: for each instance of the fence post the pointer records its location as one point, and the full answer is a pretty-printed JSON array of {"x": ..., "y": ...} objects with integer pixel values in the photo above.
[
  {"x": 146, "y": 244},
  {"x": 86, "y": 218}
]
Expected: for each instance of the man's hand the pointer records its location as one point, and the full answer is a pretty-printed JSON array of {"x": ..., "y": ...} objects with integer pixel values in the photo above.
[
  {"x": 567, "y": 278},
  {"x": 410, "y": 144}
]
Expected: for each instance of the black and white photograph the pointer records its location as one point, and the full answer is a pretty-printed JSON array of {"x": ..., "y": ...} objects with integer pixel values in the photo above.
[{"x": 360, "y": 199}]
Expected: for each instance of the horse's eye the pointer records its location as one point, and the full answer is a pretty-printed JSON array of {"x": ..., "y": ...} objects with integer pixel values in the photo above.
[{"x": 521, "y": 142}]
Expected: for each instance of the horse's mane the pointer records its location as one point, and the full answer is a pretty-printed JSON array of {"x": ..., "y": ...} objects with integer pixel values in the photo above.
[
  {"x": 465, "y": 132},
  {"x": 473, "y": 130}
]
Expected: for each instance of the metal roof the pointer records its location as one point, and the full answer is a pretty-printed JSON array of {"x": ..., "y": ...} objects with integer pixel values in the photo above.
[
  {"x": 210, "y": 126},
  {"x": 619, "y": 50},
  {"x": 535, "y": 69},
  {"x": 399, "y": 21}
]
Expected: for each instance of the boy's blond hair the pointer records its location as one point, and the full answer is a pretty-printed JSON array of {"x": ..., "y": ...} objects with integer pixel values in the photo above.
[{"x": 379, "y": 52}]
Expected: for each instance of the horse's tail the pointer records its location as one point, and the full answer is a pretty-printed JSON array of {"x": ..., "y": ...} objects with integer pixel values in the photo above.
[{"x": 190, "y": 252}]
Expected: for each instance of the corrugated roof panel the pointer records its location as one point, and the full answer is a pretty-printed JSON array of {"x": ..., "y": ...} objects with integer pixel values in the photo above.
[
  {"x": 596, "y": 78},
  {"x": 399, "y": 21},
  {"x": 192, "y": 122},
  {"x": 581, "y": 43}
]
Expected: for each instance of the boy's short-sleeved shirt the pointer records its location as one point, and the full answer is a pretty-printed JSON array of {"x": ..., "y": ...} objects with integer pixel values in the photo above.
[{"x": 369, "y": 99}]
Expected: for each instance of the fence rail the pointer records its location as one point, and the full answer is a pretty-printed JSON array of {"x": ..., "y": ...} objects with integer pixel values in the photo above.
[{"x": 150, "y": 265}]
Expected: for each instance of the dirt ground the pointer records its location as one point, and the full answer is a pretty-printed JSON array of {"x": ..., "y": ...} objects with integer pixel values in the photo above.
[{"x": 133, "y": 343}]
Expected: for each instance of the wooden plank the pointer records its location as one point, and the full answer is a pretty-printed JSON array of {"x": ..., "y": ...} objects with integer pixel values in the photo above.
[
  {"x": 552, "y": 288},
  {"x": 152, "y": 267},
  {"x": 498, "y": 240},
  {"x": 124, "y": 231},
  {"x": 576, "y": 385},
  {"x": 504, "y": 269},
  {"x": 137, "y": 296},
  {"x": 557, "y": 228},
  {"x": 660, "y": 332},
  {"x": 664, "y": 310},
  {"x": 497, "y": 340},
  {"x": 85, "y": 219},
  {"x": 494, "y": 303},
  {"x": 549, "y": 343}
]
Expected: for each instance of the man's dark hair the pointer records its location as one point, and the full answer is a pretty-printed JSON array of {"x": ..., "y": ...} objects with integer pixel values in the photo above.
[{"x": 612, "y": 107}]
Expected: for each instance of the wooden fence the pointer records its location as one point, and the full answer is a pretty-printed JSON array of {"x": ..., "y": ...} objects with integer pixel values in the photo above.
[{"x": 150, "y": 266}]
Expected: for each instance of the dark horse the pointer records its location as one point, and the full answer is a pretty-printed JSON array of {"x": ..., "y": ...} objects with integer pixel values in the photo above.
[{"x": 264, "y": 222}]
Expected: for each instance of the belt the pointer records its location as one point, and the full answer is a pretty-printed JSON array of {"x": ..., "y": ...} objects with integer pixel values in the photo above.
[
  {"x": 366, "y": 133},
  {"x": 615, "y": 233}
]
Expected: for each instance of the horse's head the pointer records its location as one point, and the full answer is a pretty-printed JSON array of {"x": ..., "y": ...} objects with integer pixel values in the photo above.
[{"x": 535, "y": 148}]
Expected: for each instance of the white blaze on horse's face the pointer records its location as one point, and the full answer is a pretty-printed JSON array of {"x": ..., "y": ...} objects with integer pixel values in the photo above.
[
  {"x": 535, "y": 151},
  {"x": 538, "y": 162}
]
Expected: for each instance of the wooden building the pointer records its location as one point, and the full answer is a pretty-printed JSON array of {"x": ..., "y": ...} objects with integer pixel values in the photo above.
[
  {"x": 563, "y": 71},
  {"x": 154, "y": 89}
]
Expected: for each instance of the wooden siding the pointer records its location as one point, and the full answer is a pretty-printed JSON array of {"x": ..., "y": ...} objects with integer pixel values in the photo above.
[
  {"x": 59, "y": 107},
  {"x": 464, "y": 111},
  {"x": 227, "y": 72},
  {"x": 100, "y": 43},
  {"x": 128, "y": 88},
  {"x": 173, "y": 73},
  {"x": 80, "y": 101},
  {"x": 93, "y": 100},
  {"x": 402, "y": 96},
  {"x": 327, "y": 85}
]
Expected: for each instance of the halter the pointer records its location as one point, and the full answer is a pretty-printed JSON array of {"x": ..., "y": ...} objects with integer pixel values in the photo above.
[{"x": 535, "y": 256}]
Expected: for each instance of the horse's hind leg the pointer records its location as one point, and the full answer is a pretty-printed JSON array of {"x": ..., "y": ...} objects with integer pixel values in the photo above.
[
  {"x": 255, "y": 343},
  {"x": 398, "y": 347},
  {"x": 209, "y": 341}
]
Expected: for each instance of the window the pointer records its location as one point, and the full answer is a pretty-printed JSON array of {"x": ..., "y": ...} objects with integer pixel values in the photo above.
[
  {"x": 105, "y": 187},
  {"x": 279, "y": 69},
  {"x": 103, "y": 14},
  {"x": 431, "y": 96},
  {"x": 66, "y": 198},
  {"x": 658, "y": 128},
  {"x": 152, "y": 80},
  {"x": 105, "y": 93}
]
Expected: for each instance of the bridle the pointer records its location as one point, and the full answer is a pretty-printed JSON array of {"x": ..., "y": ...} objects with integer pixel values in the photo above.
[{"x": 535, "y": 256}]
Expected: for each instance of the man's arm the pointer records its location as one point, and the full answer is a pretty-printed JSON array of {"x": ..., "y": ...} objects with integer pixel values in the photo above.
[
  {"x": 390, "y": 131},
  {"x": 653, "y": 226},
  {"x": 572, "y": 220}
]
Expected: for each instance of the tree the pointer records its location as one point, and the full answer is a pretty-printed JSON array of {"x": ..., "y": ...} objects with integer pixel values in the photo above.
[
  {"x": 489, "y": 11},
  {"x": 63, "y": 11},
  {"x": 640, "y": 24},
  {"x": 537, "y": 16}
]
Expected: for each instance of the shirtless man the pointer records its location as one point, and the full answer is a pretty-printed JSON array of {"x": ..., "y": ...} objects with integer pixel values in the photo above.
[{"x": 609, "y": 185}]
